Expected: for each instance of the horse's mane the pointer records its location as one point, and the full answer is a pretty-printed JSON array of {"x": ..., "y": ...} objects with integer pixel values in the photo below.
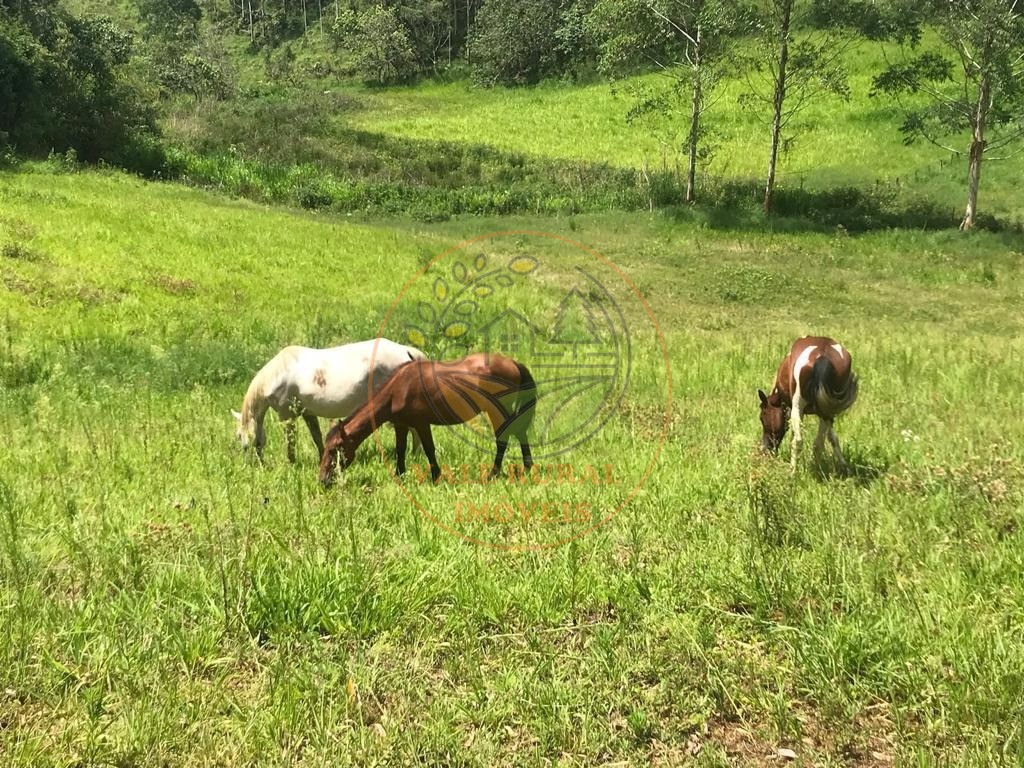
[{"x": 258, "y": 386}]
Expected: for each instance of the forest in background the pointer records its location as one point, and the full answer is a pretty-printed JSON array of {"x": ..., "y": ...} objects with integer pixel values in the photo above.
[{"x": 180, "y": 89}]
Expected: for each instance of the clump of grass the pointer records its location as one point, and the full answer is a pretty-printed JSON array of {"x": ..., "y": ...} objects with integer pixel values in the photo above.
[{"x": 21, "y": 251}]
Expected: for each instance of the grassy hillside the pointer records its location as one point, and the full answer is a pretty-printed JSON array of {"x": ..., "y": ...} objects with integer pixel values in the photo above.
[
  {"x": 167, "y": 602},
  {"x": 329, "y": 122}
]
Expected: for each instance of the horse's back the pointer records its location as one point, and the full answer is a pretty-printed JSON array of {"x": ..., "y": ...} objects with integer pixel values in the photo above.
[
  {"x": 333, "y": 382},
  {"x": 822, "y": 370}
]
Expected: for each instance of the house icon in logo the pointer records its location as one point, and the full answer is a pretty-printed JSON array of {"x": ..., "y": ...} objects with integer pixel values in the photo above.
[
  {"x": 576, "y": 329},
  {"x": 511, "y": 333}
]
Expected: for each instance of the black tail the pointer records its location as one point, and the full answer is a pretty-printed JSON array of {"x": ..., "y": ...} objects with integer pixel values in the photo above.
[
  {"x": 519, "y": 421},
  {"x": 830, "y": 398}
]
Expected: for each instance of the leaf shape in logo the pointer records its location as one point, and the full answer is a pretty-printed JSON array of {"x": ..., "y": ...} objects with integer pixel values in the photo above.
[
  {"x": 464, "y": 308},
  {"x": 459, "y": 272},
  {"x": 479, "y": 263},
  {"x": 523, "y": 265},
  {"x": 440, "y": 289},
  {"x": 415, "y": 336},
  {"x": 504, "y": 281},
  {"x": 426, "y": 312},
  {"x": 455, "y": 330},
  {"x": 482, "y": 291}
]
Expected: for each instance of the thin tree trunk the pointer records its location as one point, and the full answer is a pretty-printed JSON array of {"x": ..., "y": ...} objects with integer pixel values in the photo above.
[
  {"x": 252, "y": 30},
  {"x": 777, "y": 102},
  {"x": 977, "y": 152},
  {"x": 691, "y": 171}
]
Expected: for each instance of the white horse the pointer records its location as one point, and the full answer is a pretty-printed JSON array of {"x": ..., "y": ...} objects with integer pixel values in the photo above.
[{"x": 299, "y": 381}]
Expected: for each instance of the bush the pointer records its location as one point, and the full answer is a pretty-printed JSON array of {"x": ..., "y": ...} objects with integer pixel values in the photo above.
[
  {"x": 63, "y": 84},
  {"x": 515, "y": 42},
  {"x": 379, "y": 44}
]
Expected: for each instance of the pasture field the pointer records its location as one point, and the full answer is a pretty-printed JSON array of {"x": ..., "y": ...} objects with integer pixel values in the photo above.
[
  {"x": 510, "y": 137},
  {"x": 166, "y": 602}
]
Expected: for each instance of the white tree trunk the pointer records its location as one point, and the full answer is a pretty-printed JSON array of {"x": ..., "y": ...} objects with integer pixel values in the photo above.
[
  {"x": 977, "y": 153},
  {"x": 691, "y": 171},
  {"x": 778, "y": 100}
]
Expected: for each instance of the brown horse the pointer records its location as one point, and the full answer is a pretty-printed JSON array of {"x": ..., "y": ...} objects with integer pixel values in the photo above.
[
  {"x": 423, "y": 393},
  {"x": 816, "y": 377}
]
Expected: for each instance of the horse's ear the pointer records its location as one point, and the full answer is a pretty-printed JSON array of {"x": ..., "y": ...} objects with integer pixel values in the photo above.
[
  {"x": 763, "y": 396},
  {"x": 236, "y": 414}
]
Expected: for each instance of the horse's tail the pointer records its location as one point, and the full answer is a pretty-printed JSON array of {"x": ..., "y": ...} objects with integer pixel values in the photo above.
[
  {"x": 526, "y": 404},
  {"x": 831, "y": 395}
]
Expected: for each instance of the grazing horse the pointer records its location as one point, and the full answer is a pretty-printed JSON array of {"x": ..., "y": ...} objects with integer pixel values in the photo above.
[
  {"x": 816, "y": 377},
  {"x": 332, "y": 383},
  {"x": 424, "y": 393}
]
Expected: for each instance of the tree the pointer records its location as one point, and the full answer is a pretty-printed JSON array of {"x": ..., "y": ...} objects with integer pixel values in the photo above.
[
  {"x": 64, "y": 85},
  {"x": 429, "y": 26},
  {"x": 379, "y": 43},
  {"x": 977, "y": 97},
  {"x": 515, "y": 41},
  {"x": 174, "y": 22},
  {"x": 800, "y": 58},
  {"x": 687, "y": 41}
]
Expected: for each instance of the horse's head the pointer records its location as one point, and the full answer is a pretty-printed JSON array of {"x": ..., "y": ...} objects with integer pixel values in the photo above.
[
  {"x": 774, "y": 420},
  {"x": 248, "y": 433},
  {"x": 243, "y": 432},
  {"x": 337, "y": 442}
]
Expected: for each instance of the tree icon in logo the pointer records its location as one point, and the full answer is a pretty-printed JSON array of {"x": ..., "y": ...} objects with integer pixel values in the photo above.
[{"x": 576, "y": 344}]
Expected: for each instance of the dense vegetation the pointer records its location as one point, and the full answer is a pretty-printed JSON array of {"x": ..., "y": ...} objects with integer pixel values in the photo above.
[
  {"x": 64, "y": 85},
  {"x": 264, "y": 99}
]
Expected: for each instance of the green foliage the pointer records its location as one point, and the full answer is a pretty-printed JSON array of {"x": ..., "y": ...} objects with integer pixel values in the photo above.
[
  {"x": 379, "y": 44},
  {"x": 515, "y": 42},
  {"x": 172, "y": 22},
  {"x": 64, "y": 85},
  {"x": 983, "y": 40},
  {"x": 431, "y": 31}
]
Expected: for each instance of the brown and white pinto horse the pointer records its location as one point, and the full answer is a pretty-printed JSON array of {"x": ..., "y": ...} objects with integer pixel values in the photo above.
[
  {"x": 816, "y": 377},
  {"x": 422, "y": 393}
]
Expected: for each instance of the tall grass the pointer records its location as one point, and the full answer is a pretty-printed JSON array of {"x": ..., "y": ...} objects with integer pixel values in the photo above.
[{"x": 166, "y": 602}]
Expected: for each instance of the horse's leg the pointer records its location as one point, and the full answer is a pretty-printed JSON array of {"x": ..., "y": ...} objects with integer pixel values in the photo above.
[
  {"x": 427, "y": 441},
  {"x": 819, "y": 441},
  {"x": 499, "y": 456},
  {"x": 314, "y": 429},
  {"x": 401, "y": 433},
  {"x": 289, "y": 436},
  {"x": 798, "y": 437},
  {"x": 259, "y": 438},
  {"x": 843, "y": 466},
  {"x": 527, "y": 456}
]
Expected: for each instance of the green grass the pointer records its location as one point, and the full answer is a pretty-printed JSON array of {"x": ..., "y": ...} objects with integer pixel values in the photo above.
[
  {"x": 835, "y": 143},
  {"x": 166, "y": 602}
]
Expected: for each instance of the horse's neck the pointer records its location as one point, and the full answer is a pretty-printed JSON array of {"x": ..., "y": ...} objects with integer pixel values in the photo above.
[
  {"x": 254, "y": 407},
  {"x": 369, "y": 418}
]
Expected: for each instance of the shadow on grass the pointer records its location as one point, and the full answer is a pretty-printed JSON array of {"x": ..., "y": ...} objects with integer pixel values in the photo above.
[
  {"x": 865, "y": 465},
  {"x": 735, "y": 205}
]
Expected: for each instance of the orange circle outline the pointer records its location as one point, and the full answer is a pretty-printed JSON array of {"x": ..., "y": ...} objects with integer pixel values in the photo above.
[{"x": 668, "y": 382}]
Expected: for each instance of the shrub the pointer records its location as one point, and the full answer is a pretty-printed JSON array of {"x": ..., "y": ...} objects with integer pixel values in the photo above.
[
  {"x": 63, "y": 84},
  {"x": 515, "y": 41},
  {"x": 379, "y": 44}
]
